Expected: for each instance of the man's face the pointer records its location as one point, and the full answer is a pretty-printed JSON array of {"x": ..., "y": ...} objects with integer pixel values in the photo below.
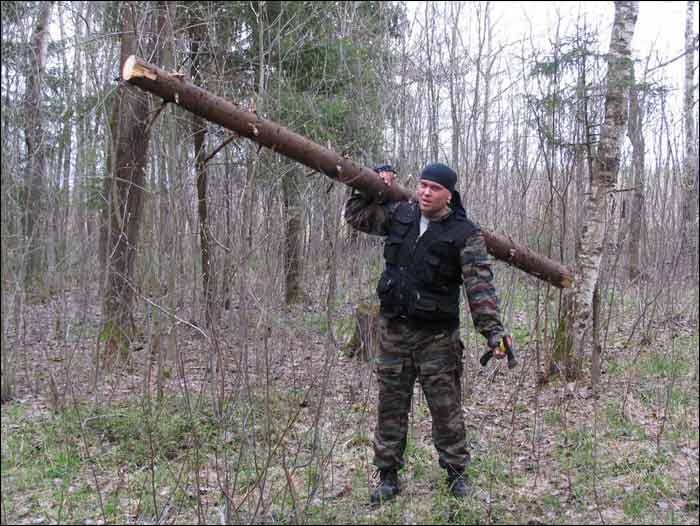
[
  {"x": 387, "y": 177},
  {"x": 432, "y": 198}
]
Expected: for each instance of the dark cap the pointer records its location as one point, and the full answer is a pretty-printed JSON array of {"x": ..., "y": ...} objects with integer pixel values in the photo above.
[
  {"x": 384, "y": 168},
  {"x": 441, "y": 174}
]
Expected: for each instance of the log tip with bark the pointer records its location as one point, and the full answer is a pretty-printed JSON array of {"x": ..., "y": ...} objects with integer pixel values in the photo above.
[{"x": 504, "y": 248}]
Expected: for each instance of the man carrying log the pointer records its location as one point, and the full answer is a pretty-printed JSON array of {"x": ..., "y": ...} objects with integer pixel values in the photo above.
[
  {"x": 431, "y": 249},
  {"x": 172, "y": 87}
]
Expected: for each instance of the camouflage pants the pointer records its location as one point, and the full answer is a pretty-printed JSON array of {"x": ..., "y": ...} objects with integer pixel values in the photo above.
[{"x": 407, "y": 353}]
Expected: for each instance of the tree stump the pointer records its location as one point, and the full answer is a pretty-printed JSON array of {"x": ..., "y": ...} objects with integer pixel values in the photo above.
[{"x": 364, "y": 342}]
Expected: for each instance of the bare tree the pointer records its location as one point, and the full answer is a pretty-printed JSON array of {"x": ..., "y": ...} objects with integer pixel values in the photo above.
[
  {"x": 37, "y": 150},
  {"x": 603, "y": 179},
  {"x": 636, "y": 220},
  {"x": 199, "y": 133},
  {"x": 690, "y": 180},
  {"x": 456, "y": 82},
  {"x": 293, "y": 233},
  {"x": 432, "y": 54},
  {"x": 124, "y": 189}
]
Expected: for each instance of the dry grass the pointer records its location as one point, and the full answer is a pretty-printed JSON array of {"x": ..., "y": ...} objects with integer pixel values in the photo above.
[{"x": 291, "y": 440}]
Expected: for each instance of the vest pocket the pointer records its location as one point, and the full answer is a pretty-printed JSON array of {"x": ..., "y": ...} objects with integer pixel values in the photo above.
[
  {"x": 433, "y": 260},
  {"x": 388, "y": 292},
  {"x": 425, "y": 305},
  {"x": 440, "y": 263},
  {"x": 384, "y": 286},
  {"x": 391, "y": 251}
]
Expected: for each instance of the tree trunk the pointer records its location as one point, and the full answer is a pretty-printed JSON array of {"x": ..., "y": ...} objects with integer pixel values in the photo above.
[
  {"x": 123, "y": 188},
  {"x": 173, "y": 88},
  {"x": 603, "y": 179},
  {"x": 35, "y": 212},
  {"x": 456, "y": 83},
  {"x": 636, "y": 118},
  {"x": 690, "y": 181},
  {"x": 597, "y": 350},
  {"x": 364, "y": 341},
  {"x": 433, "y": 90},
  {"x": 199, "y": 132},
  {"x": 292, "y": 236},
  {"x": 63, "y": 210}
]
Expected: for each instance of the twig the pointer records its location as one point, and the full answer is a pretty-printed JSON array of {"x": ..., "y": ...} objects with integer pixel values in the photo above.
[
  {"x": 154, "y": 117},
  {"x": 219, "y": 148},
  {"x": 595, "y": 459},
  {"x": 685, "y": 52}
]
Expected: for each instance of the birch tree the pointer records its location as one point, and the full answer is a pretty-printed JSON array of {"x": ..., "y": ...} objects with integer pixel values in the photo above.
[
  {"x": 603, "y": 179},
  {"x": 690, "y": 182}
]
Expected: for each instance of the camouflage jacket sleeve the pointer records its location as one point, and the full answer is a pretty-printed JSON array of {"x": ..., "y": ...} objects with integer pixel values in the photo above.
[
  {"x": 478, "y": 284},
  {"x": 369, "y": 216}
]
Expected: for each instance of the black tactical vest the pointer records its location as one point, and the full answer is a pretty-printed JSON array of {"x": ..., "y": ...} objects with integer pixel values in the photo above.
[{"x": 423, "y": 275}]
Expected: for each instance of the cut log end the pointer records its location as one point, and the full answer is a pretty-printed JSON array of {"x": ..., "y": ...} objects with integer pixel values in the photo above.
[
  {"x": 128, "y": 68},
  {"x": 134, "y": 68},
  {"x": 567, "y": 282}
]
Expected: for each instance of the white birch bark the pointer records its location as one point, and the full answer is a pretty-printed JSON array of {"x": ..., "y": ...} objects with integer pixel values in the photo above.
[
  {"x": 690, "y": 183},
  {"x": 605, "y": 169}
]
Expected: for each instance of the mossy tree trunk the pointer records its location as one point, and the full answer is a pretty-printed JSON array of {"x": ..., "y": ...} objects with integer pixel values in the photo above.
[
  {"x": 564, "y": 361},
  {"x": 364, "y": 342}
]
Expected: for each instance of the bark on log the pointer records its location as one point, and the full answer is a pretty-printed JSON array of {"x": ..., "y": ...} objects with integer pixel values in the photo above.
[{"x": 172, "y": 87}]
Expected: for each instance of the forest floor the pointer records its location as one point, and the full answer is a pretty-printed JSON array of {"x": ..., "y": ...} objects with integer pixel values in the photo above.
[{"x": 285, "y": 429}]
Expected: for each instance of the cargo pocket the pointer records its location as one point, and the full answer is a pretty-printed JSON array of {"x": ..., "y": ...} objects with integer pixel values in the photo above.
[
  {"x": 459, "y": 353},
  {"x": 388, "y": 370},
  {"x": 439, "y": 364},
  {"x": 388, "y": 365},
  {"x": 439, "y": 357}
]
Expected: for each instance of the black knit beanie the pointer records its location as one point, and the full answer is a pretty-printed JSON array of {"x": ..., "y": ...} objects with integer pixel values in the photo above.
[
  {"x": 384, "y": 168},
  {"x": 441, "y": 174}
]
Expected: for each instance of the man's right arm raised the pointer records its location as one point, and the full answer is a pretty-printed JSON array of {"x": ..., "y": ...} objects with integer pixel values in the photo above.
[{"x": 369, "y": 216}]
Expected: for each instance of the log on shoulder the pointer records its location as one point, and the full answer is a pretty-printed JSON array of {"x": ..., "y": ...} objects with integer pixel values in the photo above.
[{"x": 173, "y": 87}]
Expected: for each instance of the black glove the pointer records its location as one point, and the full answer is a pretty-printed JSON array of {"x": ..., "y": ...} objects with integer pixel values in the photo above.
[{"x": 505, "y": 344}]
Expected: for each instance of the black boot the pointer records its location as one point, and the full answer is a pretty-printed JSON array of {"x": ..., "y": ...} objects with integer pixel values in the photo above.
[
  {"x": 388, "y": 486},
  {"x": 457, "y": 482}
]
